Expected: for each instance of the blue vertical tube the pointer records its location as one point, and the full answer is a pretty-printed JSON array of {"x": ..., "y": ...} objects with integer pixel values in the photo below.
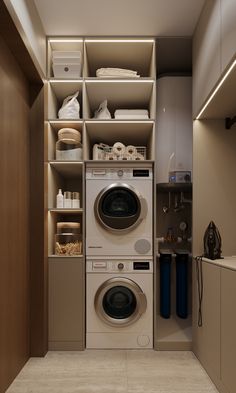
[
  {"x": 182, "y": 285},
  {"x": 165, "y": 283}
]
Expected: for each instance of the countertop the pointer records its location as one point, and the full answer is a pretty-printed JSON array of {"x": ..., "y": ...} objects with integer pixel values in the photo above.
[{"x": 226, "y": 262}]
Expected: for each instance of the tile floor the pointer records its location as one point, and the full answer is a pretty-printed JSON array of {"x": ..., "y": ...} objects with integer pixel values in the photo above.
[{"x": 109, "y": 371}]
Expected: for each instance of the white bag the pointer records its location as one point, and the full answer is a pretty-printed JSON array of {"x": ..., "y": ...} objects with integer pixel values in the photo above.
[
  {"x": 102, "y": 112},
  {"x": 70, "y": 108}
]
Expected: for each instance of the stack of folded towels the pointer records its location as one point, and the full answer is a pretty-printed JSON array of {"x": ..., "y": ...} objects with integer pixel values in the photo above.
[{"x": 116, "y": 73}]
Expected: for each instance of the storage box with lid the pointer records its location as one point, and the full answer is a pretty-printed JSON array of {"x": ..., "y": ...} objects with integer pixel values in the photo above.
[
  {"x": 68, "y": 239},
  {"x": 66, "y": 64},
  {"x": 68, "y": 146}
]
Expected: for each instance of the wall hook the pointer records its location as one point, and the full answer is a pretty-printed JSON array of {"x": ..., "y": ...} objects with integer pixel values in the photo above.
[{"x": 229, "y": 121}]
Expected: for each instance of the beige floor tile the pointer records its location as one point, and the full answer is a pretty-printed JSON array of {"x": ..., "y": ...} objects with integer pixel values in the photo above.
[{"x": 113, "y": 371}]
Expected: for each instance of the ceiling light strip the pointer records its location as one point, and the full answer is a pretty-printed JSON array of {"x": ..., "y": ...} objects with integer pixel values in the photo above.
[
  {"x": 58, "y": 40},
  {"x": 216, "y": 90},
  {"x": 66, "y": 80},
  {"x": 119, "y": 122},
  {"x": 136, "y": 80},
  {"x": 120, "y": 40}
]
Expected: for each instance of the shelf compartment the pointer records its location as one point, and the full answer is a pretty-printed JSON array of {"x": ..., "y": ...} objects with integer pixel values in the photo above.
[
  {"x": 129, "y": 133},
  {"x": 63, "y": 44},
  {"x": 65, "y": 175},
  {"x": 134, "y": 54},
  {"x": 52, "y": 227},
  {"x": 120, "y": 94},
  {"x": 53, "y": 127},
  {"x": 58, "y": 90}
]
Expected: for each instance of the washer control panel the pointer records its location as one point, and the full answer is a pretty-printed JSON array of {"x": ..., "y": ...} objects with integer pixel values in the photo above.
[
  {"x": 119, "y": 266},
  {"x": 119, "y": 173}
]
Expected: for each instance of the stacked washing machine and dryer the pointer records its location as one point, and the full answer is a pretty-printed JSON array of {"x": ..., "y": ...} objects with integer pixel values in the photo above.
[{"x": 119, "y": 256}]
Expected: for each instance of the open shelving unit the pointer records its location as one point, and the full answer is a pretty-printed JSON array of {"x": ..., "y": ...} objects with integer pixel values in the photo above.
[{"x": 121, "y": 93}]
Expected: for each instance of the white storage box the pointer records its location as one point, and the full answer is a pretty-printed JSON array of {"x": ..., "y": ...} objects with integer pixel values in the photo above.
[
  {"x": 66, "y": 64},
  {"x": 66, "y": 70},
  {"x": 62, "y": 54}
]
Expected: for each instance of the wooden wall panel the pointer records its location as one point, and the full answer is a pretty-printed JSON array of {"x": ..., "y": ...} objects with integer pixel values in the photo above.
[
  {"x": 14, "y": 208},
  {"x": 38, "y": 225}
]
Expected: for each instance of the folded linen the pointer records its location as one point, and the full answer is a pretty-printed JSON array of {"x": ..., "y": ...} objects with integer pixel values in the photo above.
[
  {"x": 116, "y": 73},
  {"x": 131, "y": 114}
]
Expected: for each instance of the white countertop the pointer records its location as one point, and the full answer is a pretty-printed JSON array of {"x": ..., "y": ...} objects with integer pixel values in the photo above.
[{"x": 227, "y": 262}]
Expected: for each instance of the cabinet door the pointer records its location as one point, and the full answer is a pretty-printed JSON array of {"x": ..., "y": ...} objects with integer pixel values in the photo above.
[
  {"x": 206, "y": 339},
  {"x": 228, "y": 10},
  {"x": 228, "y": 329},
  {"x": 206, "y": 53},
  {"x": 66, "y": 303},
  {"x": 174, "y": 126}
]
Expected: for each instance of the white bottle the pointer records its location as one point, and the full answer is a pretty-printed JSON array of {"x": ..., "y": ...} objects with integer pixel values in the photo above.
[
  {"x": 67, "y": 200},
  {"x": 60, "y": 200}
]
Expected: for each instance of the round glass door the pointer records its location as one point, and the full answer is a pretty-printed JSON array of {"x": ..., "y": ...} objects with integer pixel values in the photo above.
[
  {"x": 119, "y": 207},
  {"x": 120, "y": 302}
]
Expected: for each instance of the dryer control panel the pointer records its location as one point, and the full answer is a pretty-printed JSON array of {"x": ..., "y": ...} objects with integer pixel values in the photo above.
[
  {"x": 119, "y": 266},
  {"x": 119, "y": 173}
]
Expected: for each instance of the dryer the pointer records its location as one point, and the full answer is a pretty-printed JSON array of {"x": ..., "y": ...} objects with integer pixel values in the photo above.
[
  {"x": 119, "y": 210},
  {"x": 119, "y": 303}
]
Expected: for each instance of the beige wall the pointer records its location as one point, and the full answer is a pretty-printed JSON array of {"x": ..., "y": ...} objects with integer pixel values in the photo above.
[
  {"x": 28, "y": 23},
  {"x": 214, "y": 183}
]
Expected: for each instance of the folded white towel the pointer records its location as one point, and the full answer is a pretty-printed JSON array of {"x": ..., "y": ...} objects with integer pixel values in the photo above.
[
  {"x": 116, "y": 72},
  {"x": 131, "y": 114}
]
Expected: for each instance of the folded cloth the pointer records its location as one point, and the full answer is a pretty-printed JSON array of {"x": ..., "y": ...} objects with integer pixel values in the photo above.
[
  {"x": 131, "y": 114},
  {"x": 116, "y": 72}
]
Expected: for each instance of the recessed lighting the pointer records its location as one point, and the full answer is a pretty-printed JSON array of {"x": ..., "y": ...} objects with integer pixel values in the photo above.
[
  {"x": 65, "y": 80},
  {"x": 58, "y": 40},
  {"x": 216, "y": 89},
  {"x": 135, "y": 80},
  {"x": 119, "y": 40}
]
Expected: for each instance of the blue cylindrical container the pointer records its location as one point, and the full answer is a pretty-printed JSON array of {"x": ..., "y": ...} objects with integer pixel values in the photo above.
[
  {"x": 165, "y": 284},
  {"x": 182, "y": 284}
]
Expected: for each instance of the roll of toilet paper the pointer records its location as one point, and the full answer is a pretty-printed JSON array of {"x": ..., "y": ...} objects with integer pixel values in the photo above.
[
  {"x": 131, "y": 149},
  {"x": 110, "y": 156},
  {"x": 118, "y": 148}
]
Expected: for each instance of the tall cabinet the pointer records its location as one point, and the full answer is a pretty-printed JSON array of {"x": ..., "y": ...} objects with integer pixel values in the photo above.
[{"x": 67, "y": 273}]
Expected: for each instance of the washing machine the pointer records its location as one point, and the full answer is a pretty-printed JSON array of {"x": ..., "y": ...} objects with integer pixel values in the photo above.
[
  {"x": 119, "y": 303},
  {"x": 119, "y": 210}
]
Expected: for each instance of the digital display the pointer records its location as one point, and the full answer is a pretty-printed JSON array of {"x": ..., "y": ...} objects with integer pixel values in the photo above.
[
  {"x": 140, "y": 173},
  {"x": 141, "y": 266}
]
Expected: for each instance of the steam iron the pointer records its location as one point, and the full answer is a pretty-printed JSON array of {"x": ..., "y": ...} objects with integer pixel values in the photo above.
[{"x": 212, "y": 242}]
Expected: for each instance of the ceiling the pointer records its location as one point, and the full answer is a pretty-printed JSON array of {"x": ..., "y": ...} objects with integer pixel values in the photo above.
[{"x": 119, "y": 17}]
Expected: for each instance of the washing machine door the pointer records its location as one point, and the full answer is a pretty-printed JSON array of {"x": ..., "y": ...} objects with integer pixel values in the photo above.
[
  {"x": 120, "y": 302},
  {"x": 120, "y": 208}
]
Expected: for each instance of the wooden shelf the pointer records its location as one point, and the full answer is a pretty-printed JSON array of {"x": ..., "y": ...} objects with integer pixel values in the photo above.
[
  {"x": 58, "y": 124},
  {"x": 120, "y": 94},
  {"x": 68, "y": 168},
  {"x": 134, "y": 54},
  {"x": 65, "y": 256},
  {"x": 130, "y": 133},
  {"x": 66, "y": 211}
]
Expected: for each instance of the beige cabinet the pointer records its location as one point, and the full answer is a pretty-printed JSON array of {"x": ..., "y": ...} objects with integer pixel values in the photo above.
[
  {"x": 228, "y": 329},
  {"x": 206, "y": 339},
  {"x": 206, "y": 53},
  {"x": 174, "y": 133},
  {"x": 228, "y": 12},
  {"x": 66, "y": 303}
]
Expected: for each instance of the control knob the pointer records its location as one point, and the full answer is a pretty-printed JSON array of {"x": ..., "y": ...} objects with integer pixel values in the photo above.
[{"x": 120, "y": 172}]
